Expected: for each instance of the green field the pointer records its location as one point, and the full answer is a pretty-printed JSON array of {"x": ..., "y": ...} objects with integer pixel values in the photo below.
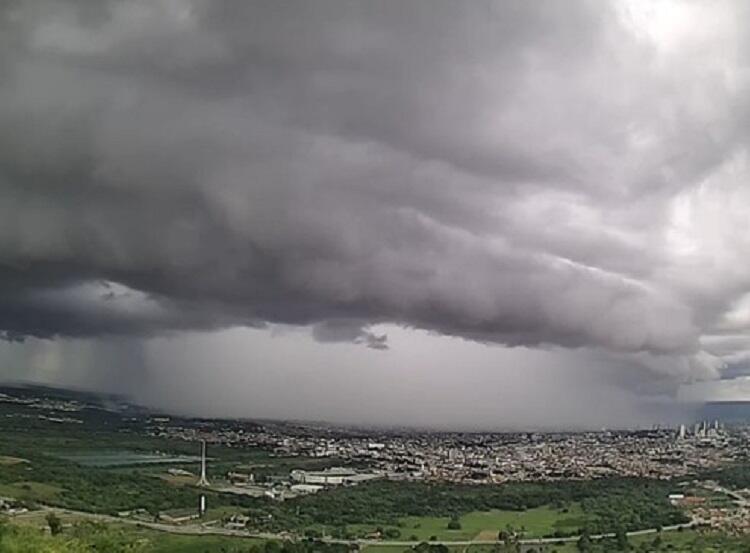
[
  {"x": 170, "y": 543},
  {"x": 403, "y": 549},
  {"x": 485, "y": 525},
  {"x": 86, "y": 537},
  {"x": 674, "y": 542},
  {"x": 35, "y": 491}
]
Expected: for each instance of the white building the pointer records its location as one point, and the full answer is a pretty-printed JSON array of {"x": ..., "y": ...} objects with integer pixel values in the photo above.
[{"x": 335, "y": 476}]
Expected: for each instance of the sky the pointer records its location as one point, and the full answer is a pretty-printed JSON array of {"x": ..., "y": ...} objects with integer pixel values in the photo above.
[{"x": 496, "y": 214}]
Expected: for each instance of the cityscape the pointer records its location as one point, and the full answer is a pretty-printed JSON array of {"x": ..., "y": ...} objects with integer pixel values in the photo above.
[
  {"x": 474, "y": 458},
  {"x": 492, "y": 458},
  {"x": 374, "y": 276},
  {"x": 315, "y": 460}
]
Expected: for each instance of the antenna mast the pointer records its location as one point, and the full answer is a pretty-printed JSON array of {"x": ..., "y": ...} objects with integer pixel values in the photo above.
[{"x": 203, "y": 482}]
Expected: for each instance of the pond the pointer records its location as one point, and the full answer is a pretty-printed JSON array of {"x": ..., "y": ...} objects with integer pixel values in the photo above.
[{"x": 122, "y": 457}]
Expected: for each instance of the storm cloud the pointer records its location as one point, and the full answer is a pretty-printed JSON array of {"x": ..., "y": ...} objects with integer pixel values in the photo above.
[{"x": 535, "y": 174}]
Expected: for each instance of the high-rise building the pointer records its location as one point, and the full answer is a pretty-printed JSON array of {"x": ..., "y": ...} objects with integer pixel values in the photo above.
[{"x": 682, "y": 432}]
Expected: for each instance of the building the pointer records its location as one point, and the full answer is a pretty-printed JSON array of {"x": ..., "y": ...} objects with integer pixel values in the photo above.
[
  {"x": 304, "y": 489},
  {"x": 240, "y": 478},
  {"x": 179, "y": 472},
  {"x": 335, "y": 476},
  {"x": 237, "y": 522},
  {"x": 178, "y": 517}
]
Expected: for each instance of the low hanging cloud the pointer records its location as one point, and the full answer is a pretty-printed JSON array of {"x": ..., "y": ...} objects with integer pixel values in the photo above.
[
  {"x": 566, "y": 174},
  {"x": 349, "y": 331}
]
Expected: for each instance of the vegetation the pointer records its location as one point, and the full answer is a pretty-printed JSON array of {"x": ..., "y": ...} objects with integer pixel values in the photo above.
[
  {"x": 350, "y": 511},
  {"x": 630, "y": 504},
  {"x": 36, "y": 471},
  {"x": 487, "y": 525},
  {"x": 97, "y": 538},
  {"x": 668, "y": 542},
  {"x": 54, "y": 523},
  {"x": 81, "y": 539},
  {"x": 45, "y": 477},
  {"x": 65, "y": 484},
  {"x": 733, "y": 477},
  {"x": 36, "y": 465},
  {"x": 88, "y": 537}
]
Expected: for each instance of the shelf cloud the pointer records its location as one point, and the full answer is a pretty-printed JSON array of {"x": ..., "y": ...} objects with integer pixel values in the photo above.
[{"x": 540, "y": 174}]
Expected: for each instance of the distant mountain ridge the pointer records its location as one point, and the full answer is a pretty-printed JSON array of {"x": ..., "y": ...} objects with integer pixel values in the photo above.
[
  {"x": 46, "y": 390},
  {"x": 101, "y": 400}
]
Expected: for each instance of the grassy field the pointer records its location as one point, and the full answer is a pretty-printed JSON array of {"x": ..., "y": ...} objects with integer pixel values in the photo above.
[
  {"x": 485, "y": 525},
  {"x": 35, "y": 491},
  {"x": 674, "y": 542},
  {"x": 383, "y": 549},
  {"x": 37, "y": 519},
  {"x": 148, "y": 541},
  {"x": 534, "y": 523},
  {"x": 170, "y": 543},
  {"x": 692, "y": 541},
  {"x": 402, "y": 549},
  {"x": 155, "y": 542}
]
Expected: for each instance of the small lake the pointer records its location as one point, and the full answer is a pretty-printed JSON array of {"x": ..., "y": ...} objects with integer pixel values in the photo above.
[{"x": 121, "y": 458}]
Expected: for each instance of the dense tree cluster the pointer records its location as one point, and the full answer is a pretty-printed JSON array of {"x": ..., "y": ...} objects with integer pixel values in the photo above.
[
  {"x": 735, "y": 477},
  {"x": 608, "y": 504},
  {"x": 94, "y": 489}
]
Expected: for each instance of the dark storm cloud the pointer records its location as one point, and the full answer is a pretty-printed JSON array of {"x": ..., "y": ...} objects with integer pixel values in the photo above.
[
  {"x": 349, "y": 331},
  {"x": 509, "y": 172}
]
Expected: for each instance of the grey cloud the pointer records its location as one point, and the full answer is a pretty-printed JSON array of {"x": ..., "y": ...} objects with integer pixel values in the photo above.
[
  {"x": 349, "y": 331},
  {"x": 504, "y": 172}
]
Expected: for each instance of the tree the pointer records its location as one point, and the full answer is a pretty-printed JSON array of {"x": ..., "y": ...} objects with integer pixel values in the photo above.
[
  {"x": 392, "y": 533},
  {"x": 584, "y": 542},
  {"x": 54, "y": 523},
  {"x": 272, "y": 547},
  {"x": 622, "y": 539},
  {"x": 454, "y": 523}
]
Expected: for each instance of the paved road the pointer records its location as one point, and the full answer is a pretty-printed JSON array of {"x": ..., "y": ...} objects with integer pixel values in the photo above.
[
  {"x": 739, "y": 499},
  {"x": 204, "y": 530},
  {"x": 529, "y": 541}
]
